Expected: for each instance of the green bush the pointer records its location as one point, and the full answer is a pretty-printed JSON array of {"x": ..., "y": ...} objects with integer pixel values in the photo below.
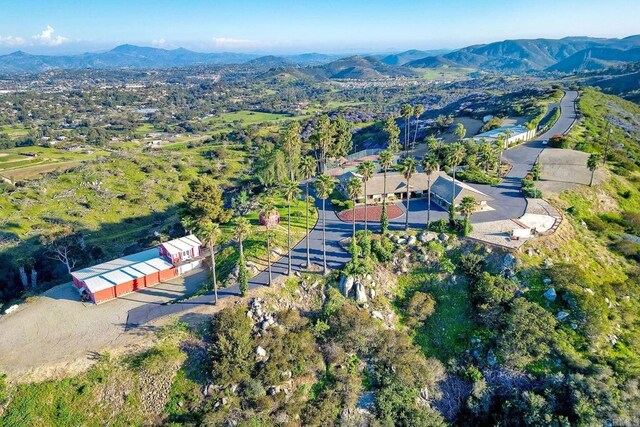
[
  {"x": 382, "y": 250},
  {"x": 476, "y": 175},
  {"x": 529, "y": 189}
]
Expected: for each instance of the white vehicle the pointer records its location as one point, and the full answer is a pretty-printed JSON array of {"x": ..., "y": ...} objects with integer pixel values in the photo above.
[{"x": 545, "y": 142}]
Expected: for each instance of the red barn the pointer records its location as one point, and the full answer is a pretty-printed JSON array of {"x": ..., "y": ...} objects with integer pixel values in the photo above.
[{"x": 137, "y": 271}]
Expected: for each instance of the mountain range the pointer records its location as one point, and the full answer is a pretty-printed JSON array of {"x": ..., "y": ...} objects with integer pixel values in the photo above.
[{"x": 509, "y": 56}]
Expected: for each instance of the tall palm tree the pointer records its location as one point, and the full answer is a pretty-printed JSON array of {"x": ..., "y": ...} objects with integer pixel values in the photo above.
[
  {"x": 241, "y": 231},
  {"x": 485, "y": 155},
  {"x": 292, "y": 143},
  {"x": 498, "y": 147},
  {"x": 209, "y": 232},
  {"x": 408, "y": 169},
  {"x": 460, "y": 132},
  {"x": 324, "y": 187},
  {"x": 188, "y": 223},
  {"x": 592, "y": 163},
  {"x": 308, "y": 168},
  {"x": 366, "y": 169},
  {"x": 267, "y": 211},
  {"x": 290, "y": 191},
  {"x": 430, "y": 164},
  {"x": 406, "y": 111},
  {"x": 385, "y": 158},
  {"x": 417, "y": 112},
  {"x": 354, "y": 188},
  {"x": 467, "y": 207},
  {"x": 454, "y": 158}
]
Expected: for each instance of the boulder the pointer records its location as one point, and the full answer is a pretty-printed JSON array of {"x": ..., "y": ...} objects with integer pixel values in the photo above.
[
  {"x": 492, "y": 360},
  {"x": 361, "y": 294},
  {"x": 562, "y": 315},
  {"x": 401, "y": 241},
  {"x": 412, "y": 241},
  {"x": 550, "y": 294},
  {"x": 509, "y": 261},
  {"x": 546, "y": 281},
  {"x": 377, "y": 315},
  {"x": 372, "y": 293},
  {"x": 443, "y": 237},
  {"x": 346, "y": 284},
  {"x": 589, "y": 291},
  {"x": 261, "y": 352},
  {"x": 11, "y": 309}
]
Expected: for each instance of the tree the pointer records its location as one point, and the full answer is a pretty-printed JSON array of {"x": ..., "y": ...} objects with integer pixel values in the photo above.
[
  {"x": 341, "y": 137},
  {"x": 63, "y": 245},
  {"x": 455, "y": 155},
  {"x": 290, "y": 191},
  {"x": 307, "y": 171},
  {"x": 430, "y": 165},
  {"x": 393, "y": 133},
  {"x": 366, "y": 169},
  {"x": 406, "y": 111},
  {"x": 241, "y": 231},
  {"x": 593, "y": 162},
  {"x": 324, "y": 187},
  {"x": 322, "y": 139},
  {"x": 408, "y": 169},
  {"x": 292, "y": 144},
  {"x": 459, "y": 132},
  {"x": 204, "y": 202},
  {"x": 417, "y": 112},
  {"x": 467, "y": 207},
  {"x": 231, "y": 347},
  {"x": 267, "y": 210},
  {"x": 385, "y": 158},
  {"x": 354, "y": 188},
  {"x": 209, "y": 232}
]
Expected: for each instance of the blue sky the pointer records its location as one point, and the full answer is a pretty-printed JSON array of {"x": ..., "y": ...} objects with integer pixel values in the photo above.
[{"x": 288, "y": 26}]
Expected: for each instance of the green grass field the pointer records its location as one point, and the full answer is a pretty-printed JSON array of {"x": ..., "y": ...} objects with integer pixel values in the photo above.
[
  {"x": 446, "y": 73},
  {"x": 27, "y": 162},
  {"x": 14, "y": 131},
  {"x": 246, "y": 118}
]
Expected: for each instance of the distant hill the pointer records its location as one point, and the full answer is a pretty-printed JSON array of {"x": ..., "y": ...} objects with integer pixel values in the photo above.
[
  {"x": 622, "y": 80},
  {"x": 270, "y": 61},
  {"x": 523, "y": 55},
  {"x": 405, "y": 57},
  {"x": 124, "y": 56},
  {"x": 595, "y": 59},
  {"x": 357, "y": 67}
]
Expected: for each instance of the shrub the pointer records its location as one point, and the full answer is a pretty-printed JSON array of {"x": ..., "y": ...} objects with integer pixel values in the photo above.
[
  {"x": 472, "y": 265},
  {"x": 243, "y": 276},
  {"x": 529, "y": 190},
  {"x": 382, "y": 250},
  {"x": 419, "y": 307},
  {"x": 231, "y": 347},
  {"x": 627, "y": 248},
  {"x": 477, "y": 176},
  {"x": 558, "y": 141}
]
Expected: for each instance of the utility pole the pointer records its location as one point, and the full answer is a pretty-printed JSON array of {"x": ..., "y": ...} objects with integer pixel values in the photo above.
[{"x": 606, "y": 147}]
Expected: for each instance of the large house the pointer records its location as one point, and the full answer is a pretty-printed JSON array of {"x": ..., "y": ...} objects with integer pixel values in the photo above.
[
  {"x": 396, "y": 186},
  {"x": 441, "y": 188},
  {"x": 121, "y": 276}
]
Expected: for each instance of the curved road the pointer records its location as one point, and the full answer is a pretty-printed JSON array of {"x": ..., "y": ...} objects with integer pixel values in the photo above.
[{"x": 508, "y": 203}]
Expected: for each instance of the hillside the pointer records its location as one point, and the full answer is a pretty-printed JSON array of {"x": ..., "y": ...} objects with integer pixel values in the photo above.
[
  {"x": 405, "y": 57},
  {"x": 523, "y": 55},
  {"x": 595, "y": 59},
  {"x": 357, "y": 67}
]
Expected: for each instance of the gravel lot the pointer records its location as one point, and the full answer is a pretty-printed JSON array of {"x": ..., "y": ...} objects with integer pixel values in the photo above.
[{"x": 56, "y": 333}]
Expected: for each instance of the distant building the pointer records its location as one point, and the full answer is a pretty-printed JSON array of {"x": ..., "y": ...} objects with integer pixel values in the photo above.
[
  {"x": 131, "y": 273},
  {"x": 516, "y": 134}
]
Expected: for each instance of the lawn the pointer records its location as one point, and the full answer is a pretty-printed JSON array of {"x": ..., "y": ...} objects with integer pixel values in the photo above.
[
  {"x": 446, "y": 73},
  {"x": 15, "y": 131},
  {"x": 246, "y": 118}
]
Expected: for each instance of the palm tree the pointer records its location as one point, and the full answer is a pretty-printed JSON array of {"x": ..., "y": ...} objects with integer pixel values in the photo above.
[
  {"x": 188, "y": 223},
  {"x": 290, "y": 190},
  {"x": 267, "y": 210},
  {"x": 292, "y": 143},
  {"x": 308, "y": 168},
  {"x": 324, "y": 187},
  {"x": 209, "y": 232},
  {"x": 385, "y": 158},
  {"x": 592, "y": 163},
  {"x": 460, "y": 132},
  {"x": 354, "y": 188},
  {"x": 467, "y": 207},
  {"x": 430, "y": 165},
  {"x": 393, "y": 133},
  {"x": 366, "y": 169},
  {"x": 417, "y": 112},
  {"x": 454, "y": 158},
  {"x": 408, "y": 169},
  {"x": 406, "y": 111},
  {"x": 485, "y": 155},
  {"x": 241, "y": 231}
]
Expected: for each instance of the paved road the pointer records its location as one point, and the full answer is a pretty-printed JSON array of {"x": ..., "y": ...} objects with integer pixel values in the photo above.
[{"x": 508, "y": 203}]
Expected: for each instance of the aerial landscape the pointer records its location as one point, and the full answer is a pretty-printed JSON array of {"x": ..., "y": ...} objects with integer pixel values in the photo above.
[{"x": 336, "y": 214}]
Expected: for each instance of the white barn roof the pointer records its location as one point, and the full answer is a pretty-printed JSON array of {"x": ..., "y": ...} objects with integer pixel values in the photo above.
[
  {"x": 96, "y": 284},
  {"x": 182, "y": 244},
  {"x": 133, "y": 272},
  {"x": 160, "y": 264},
  {"x": 115, "y": 264},
  {"x": 145, "y": 268},
  {"x": 117, "y": 277}
]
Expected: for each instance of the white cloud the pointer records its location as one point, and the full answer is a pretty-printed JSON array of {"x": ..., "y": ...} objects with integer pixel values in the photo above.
[
  {"x": 230, "y": 43},
  {"x": 11, "y": 41},
  {"x": 159, "y": 43},
  {"x": 47, "y": 38}
]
